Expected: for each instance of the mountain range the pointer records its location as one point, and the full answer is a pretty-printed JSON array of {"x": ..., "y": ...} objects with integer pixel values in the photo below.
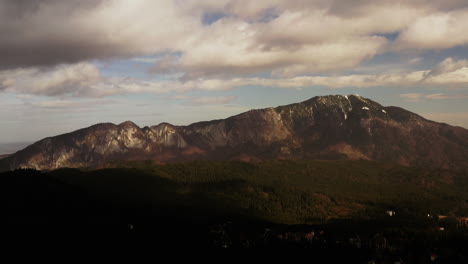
[{"x": 324, "y": 127}]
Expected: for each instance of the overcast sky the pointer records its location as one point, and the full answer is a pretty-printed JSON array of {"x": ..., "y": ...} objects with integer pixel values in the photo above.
[{"x": 69, "y": 64}]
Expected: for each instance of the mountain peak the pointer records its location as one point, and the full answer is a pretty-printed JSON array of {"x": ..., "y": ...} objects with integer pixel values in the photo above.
[
  {"x": 338, "y": 97},
  {"x": 128, "y": 123}
]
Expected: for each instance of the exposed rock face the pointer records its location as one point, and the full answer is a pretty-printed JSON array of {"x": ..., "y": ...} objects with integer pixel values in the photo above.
[{"x": 327, "y": 127}]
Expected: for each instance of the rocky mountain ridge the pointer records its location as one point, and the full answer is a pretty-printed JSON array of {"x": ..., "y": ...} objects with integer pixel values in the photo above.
[{"x": 324, "y": 127}]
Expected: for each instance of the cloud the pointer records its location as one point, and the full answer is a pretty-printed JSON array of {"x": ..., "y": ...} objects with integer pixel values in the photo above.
[
  {"x": 412, "y": 97},
  {"x": 85, "y": 80},
  {"x": 213, "y": 100},
  {"x": 435, "y": 31},
  {"x": 247, "y": 38},
  {"x": 69, "y": 104},
  {"x": 418, "y": 97},
  {"x": 75, "y": 79},
  {"x": 448, "y": 65},
  {"x": 225, "y": 61},
  {"x": 59, "y": 104},
  {"x": 50, "y": 32}
]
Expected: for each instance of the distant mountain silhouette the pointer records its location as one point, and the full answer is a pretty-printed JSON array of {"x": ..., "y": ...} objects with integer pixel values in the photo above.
[{"x": 324, "y": 127}]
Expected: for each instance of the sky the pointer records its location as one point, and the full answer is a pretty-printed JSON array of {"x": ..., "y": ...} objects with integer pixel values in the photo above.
[{"x": 66, "y": 65}]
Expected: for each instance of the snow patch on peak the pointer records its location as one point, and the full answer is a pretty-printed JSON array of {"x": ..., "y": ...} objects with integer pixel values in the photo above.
[
  {"x": 365, "y": 108},
  {"x": 383, "y": 111}
]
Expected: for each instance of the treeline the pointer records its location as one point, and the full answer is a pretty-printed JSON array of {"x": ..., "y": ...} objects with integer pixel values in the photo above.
[{"x": 293, "y": 192}]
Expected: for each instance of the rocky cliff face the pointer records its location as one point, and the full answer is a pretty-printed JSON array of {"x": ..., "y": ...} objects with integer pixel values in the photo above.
[{"x": 326, "y": 127}]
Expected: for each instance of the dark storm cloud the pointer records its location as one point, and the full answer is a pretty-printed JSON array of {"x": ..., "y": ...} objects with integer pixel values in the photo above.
[
  {"x": 52, "y": 53},
  {"x": 19, "y": 8},
  {"x": 361, "y": 7},
  {"x": 49, "y": 32}
]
